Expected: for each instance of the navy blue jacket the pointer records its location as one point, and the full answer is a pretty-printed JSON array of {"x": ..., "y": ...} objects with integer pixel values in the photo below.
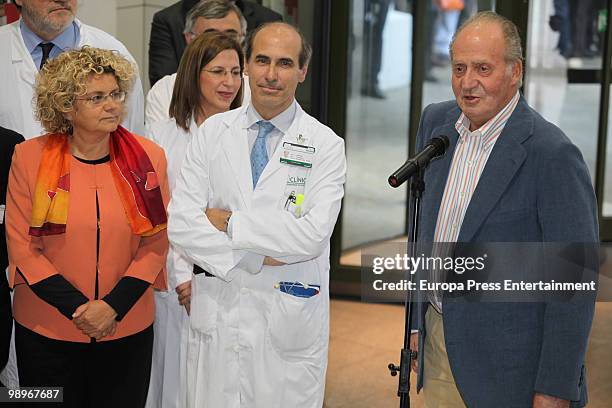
[{"x": 535, "y": 187}]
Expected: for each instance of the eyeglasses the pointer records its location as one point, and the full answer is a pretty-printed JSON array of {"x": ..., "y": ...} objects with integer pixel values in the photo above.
[
  {"x": 230, "y": 33},
  {"x": 96, "y": 100},
  {"x": 221, "y": 73}
]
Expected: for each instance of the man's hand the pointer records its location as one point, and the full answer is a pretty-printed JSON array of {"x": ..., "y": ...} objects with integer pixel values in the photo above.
[
  {"x": 184, "y": 295},
  {"x": 269, "y": 261},
  {"x": 414, "y": 346},
  {"x": 218, "y": 218},
  {"x": 95, "y": 319},
  {"x": 547, "y": 401}
]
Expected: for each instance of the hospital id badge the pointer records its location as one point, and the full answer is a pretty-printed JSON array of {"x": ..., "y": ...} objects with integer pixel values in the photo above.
[{"x": 297, "y": 155}]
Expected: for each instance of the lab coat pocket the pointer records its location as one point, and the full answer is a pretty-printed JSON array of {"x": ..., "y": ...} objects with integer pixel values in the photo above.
[
  {"x": 295, "y": 324},
  {"x": 204, "y": 306}
]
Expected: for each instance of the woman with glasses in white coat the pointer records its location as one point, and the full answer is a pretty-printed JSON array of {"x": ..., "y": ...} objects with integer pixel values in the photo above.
[{"x": 208, "y": 81}]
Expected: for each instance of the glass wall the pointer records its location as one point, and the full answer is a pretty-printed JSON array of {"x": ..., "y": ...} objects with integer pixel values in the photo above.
[
  {"x": 377, "y": 111},
  {"x": 301, "y": 13},
  {"x": 441, "y": 26},
  {"x": 564, "y": 57},
  {"x": 607, "y": 198}
]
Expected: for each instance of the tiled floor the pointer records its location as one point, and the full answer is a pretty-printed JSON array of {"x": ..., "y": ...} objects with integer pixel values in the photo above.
[{"x": 365, "y": 338}]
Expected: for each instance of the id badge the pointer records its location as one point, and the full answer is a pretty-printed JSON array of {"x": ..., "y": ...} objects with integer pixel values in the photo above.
[{"x": 297, "y": 155}]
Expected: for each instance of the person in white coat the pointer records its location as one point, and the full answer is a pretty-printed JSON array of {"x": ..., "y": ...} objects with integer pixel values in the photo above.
[
  {"x": 254, "y": 207},
  {"x": 208, "y": 82},
  {"x": 204, "y": 17},
  {"x": 45, "y": 29}
]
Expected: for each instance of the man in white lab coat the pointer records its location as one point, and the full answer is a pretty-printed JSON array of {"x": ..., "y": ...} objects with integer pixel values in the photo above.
[
  {"x": 254, "y": 208},
  {"x": 46, "y": 28}
]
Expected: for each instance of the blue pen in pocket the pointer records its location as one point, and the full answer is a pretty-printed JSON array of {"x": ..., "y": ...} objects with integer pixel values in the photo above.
[{"x": 298, "y": 289}]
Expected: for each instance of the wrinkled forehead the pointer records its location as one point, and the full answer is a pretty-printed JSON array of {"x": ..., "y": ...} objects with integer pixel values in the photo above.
[
  {"x": 479, "y": 43},
  {"x": 277, "y": 42}
]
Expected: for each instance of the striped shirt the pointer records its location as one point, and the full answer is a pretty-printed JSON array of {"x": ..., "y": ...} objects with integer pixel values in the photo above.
[{"x": 471, "y": 155}]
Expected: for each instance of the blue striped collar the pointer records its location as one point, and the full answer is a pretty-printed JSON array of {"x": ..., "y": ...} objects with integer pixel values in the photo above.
[{"x": 492, "y": 128}]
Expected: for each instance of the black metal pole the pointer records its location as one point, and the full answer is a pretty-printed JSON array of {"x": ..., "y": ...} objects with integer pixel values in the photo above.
[{"x": 417, "y": 186}]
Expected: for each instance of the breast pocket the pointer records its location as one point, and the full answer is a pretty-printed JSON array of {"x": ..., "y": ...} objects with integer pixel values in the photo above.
[
  {"x": 510, "y": 215},
  {"x": 294, "y": 194}
]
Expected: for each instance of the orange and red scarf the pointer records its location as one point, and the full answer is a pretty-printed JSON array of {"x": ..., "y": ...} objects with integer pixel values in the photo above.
[{"x": 134, "y": 176}]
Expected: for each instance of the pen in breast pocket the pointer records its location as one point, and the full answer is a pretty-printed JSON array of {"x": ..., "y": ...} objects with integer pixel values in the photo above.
[
  {"x": 298, "y": 289},
  {"x": 290, "y": 199}
]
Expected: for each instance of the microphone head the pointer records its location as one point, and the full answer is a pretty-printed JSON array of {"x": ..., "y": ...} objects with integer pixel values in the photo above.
[{"x": 393, "y": 181}]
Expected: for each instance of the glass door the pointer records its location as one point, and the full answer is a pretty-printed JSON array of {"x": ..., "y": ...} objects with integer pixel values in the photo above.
[
  {"x": 567, "y": 82},
  {"x": 377, "y": 121}
]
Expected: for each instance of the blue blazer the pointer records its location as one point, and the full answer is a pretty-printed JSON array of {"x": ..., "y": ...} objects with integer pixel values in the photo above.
[{"x": 535, "y": 187}]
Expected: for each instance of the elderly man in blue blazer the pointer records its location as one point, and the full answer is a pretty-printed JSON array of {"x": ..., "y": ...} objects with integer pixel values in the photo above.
[{"x": 508, "y": 176}]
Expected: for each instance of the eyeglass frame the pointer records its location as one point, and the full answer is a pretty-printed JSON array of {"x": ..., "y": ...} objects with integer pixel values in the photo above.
[
  {"x": 217, "y": 72},
  {"x": 233, "y": 34},
  {"x": 89, "y": 99}
]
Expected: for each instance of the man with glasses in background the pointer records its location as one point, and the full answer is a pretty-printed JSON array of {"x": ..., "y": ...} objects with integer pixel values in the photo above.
[
  {"x": 207, "y": 15},
  {"x": 168, "y": 32}
]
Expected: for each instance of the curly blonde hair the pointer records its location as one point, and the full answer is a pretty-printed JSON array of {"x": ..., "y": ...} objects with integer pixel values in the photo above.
[{"x": 65, "y": 77}]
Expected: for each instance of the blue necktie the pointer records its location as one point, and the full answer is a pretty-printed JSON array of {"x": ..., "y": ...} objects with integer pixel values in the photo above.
[{"x": 259, "y": 154}]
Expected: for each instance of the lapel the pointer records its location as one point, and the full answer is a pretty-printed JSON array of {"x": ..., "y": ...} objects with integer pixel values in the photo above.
[
  {"x": 506, "y": 158},
  {"x": 84, "y": 34},
  {"x": 20, "y": 55},
  {"x": 297, "y": 127},
  {"x": 436, "y": 175},
  {"x": 236, "y": 148}
]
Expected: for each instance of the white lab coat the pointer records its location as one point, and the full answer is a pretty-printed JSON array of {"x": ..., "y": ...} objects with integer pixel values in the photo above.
[
  {"x": 251, "y": 345},
  {"x": 160, "y": 95},
  {"x": 171, "y": 320},
  {"x": 18, "y": 74}
]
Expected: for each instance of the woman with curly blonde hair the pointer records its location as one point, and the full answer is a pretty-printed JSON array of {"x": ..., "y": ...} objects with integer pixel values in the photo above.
[{"x": 85, "y": 222}]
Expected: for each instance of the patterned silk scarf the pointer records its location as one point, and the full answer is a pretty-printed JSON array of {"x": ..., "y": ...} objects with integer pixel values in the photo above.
[{"x": 133, "y": 173}]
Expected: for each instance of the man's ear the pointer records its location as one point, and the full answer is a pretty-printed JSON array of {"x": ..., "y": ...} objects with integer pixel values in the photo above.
[
  {"x": 303, "y": 72},
  {"x": 517, "y": 71}
]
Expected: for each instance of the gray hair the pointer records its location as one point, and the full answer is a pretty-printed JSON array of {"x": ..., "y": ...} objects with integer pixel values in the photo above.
[
  {"x": 514, "y": 49},
  {"x": 213, "y": 9}
]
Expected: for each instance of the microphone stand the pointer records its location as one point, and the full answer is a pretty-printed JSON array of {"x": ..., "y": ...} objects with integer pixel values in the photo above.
[{"x": 417, "y": 187}]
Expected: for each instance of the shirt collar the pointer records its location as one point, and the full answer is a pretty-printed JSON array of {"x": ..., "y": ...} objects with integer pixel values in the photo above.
[
  {"x": 282, "y": 121},
  {"x": 490, "y": 130},
  {"x": 65, "y": 41}
]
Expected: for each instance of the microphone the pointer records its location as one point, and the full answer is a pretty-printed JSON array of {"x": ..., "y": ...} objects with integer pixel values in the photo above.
[{"x": 435, "y": 147}]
